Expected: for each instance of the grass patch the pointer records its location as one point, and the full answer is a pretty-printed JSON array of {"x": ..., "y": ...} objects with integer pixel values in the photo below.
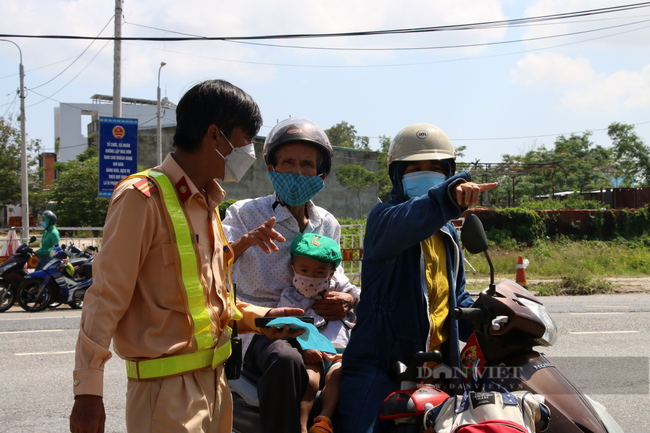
[
  {"x": 554, "y": 259},
  {"x": 574, "y": 285}
]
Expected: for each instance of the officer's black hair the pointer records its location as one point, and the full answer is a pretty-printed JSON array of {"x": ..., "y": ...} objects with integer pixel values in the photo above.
[{"x": 214, "y": 102}]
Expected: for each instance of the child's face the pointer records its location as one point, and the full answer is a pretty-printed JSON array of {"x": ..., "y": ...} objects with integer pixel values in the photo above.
[{"x": 311, "y": 268}]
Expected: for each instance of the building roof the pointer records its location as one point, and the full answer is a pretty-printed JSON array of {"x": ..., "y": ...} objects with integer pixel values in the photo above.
[{"x": 164, "y": 101}]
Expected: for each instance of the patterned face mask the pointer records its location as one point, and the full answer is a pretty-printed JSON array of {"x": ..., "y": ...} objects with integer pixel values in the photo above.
[
  {"x": 310, "y": 287},
  {"x": 295, "y": 189}
]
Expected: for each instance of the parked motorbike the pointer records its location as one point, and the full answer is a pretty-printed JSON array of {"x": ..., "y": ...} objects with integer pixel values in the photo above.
[
  {"x": 52, "y": 284},
  {"x": 12, "y": 274}
]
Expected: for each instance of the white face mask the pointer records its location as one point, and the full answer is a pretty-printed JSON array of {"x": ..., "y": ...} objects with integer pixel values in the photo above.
[
  {"x": 238, "y": 161},
  {"x": 310, "y": 287}
]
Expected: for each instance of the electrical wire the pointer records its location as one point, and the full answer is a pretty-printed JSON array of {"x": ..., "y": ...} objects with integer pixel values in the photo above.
[
  {"x": 537, "y": 136},
  {"x": 75, "y": 60},
  {"x": 40, "y": 67},
  {"x": 415, "y": 30},
  {"x": 483, "y": 44},
  {"x": 73, "y": 78},
  {"x": 389, "y": 65},
  {"x": 10, "y": 106}
]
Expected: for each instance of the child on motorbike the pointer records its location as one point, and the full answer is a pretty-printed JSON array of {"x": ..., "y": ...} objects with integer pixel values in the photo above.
[{"x": 314, "y": 258}]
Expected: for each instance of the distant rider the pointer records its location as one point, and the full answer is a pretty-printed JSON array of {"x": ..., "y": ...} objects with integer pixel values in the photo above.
[{"x": 50, "y": 239}]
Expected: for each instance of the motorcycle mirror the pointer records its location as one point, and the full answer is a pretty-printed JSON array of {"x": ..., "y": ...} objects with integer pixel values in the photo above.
[{"x": 473, "y": 235}]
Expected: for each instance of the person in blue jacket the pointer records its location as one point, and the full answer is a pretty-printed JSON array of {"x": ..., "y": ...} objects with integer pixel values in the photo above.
[{"x": 412, "y": 274}]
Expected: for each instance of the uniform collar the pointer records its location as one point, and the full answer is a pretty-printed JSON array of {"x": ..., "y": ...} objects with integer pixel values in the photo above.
[{"x": 184, "y": 185}]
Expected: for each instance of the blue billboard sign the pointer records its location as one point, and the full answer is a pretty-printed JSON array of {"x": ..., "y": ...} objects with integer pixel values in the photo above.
[{"x": 118, "y": 152}]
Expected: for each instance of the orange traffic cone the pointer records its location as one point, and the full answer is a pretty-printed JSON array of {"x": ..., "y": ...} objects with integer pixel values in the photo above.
[{"x": 521, "y": 273}]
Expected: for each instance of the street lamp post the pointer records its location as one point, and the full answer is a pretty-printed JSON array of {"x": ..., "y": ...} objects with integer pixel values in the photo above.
[
  {"x": 24, "y": 234},
  {"x": 159, "y": 130}
]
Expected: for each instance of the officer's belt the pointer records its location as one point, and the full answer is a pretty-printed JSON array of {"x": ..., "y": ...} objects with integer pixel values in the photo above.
[{"x": 175, "y": 365}]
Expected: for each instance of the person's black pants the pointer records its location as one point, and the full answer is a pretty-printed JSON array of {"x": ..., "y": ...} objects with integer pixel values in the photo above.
[{"x": 283, "y": 383}]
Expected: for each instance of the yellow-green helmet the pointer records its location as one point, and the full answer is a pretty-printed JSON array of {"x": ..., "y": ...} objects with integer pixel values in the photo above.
[{"x": 420, "y": 142}]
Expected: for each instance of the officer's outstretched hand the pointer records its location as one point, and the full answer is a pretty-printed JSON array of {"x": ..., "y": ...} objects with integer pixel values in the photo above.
[
  {"x": 467, "y": 194},
  {"x": 285, "y": 332},
  {"x": 88, "y": 415}
]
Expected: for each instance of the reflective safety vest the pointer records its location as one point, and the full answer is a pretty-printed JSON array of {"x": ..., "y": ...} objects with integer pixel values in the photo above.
[{"x": 187, "y": 267}]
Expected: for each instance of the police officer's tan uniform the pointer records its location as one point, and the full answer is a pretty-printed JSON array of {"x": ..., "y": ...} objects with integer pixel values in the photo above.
[{"x": 137, "y": 299}]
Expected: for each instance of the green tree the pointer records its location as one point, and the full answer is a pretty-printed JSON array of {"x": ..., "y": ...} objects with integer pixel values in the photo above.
[
  {"x": 76, "y": 192},
  {"x": 631, "y": 155},
  {"x": 345, "y": 135},
  {"x": 384, "y": 185},
  {"x": 355, "y": 178},
  {"x": 9, "y": 164},
  {"x": 342, "y": 134},
  {"x": 39, "y": 197}
]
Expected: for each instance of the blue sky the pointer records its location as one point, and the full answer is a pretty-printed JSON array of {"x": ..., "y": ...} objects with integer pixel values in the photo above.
[{"x": 497, "y": 99}]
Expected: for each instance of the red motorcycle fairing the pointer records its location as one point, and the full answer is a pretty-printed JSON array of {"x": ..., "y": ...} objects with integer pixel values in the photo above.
[
  {"x": 409, "y": 403},
  {"x": 534, "y": 372}
]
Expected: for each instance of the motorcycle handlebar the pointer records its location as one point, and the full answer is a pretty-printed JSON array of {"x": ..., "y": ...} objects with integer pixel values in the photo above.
[
  {"x": 421, "y": 357},
  {"x": 473, "y": 314}
]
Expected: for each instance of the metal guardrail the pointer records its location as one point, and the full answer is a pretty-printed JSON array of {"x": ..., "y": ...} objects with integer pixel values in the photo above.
[
  {"x": 352, "y": 250},
  {"x": 351, "y": 245}
]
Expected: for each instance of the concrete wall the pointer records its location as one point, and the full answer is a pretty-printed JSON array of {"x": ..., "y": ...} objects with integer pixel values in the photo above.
[{"x": 147, "y": 145}]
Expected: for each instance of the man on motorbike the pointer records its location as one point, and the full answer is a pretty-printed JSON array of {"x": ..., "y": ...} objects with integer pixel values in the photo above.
[
  {"x": 299, "y": 157},
  {"x": 412, "y": 274},
  {"x": 50, "y": 239},
  {"x": 159, "y": 285}
]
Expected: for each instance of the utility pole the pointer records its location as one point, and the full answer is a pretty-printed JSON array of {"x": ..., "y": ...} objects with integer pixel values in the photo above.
[
  {"x": 24, "y": 204},
  {"x": 159, "y": 126},
  {"x": 117, "y": 61}
]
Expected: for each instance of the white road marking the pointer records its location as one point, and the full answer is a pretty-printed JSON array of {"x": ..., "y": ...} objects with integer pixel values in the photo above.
[
  {"x": 607, "y": 306},
  {"x": 40, "y": 330},
  {"x": 595, "y": 313},
  {"x": 43, "y": 353},
  {"x": 39, "y": 318},
  {"x": 604, "y": 332}
]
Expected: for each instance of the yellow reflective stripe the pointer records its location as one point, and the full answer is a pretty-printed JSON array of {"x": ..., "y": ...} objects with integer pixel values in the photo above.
[
  {"x": 184, "y": 241},
  {"x": 222, "y": 352},
  {"x": 228, "y": 271},
  {"x": 178, "y": 364}
]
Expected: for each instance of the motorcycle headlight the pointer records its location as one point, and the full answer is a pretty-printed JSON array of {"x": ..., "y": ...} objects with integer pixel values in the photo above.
[{"x": 549, "y": 337}]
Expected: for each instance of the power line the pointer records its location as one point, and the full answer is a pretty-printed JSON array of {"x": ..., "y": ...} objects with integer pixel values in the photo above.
[
  {"x": 415, "y": 30},
  {"x": 40, "y": 67},
  {"x": 75, "y": 60},
  {"x": 536, "y": 136},
  {"x": 390, "y": 65},
  {"x": 440, "y": 47},
  {"x": 73, "y": 78}
]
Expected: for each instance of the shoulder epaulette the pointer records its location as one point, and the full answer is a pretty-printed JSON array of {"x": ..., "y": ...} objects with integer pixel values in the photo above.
[{"x": 146, "y": 187}]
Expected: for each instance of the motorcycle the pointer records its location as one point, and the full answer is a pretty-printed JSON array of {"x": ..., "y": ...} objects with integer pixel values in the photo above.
[
  {"x": 508, "y": 321},
  {"x": 12, "y": 273},
  {"x": 53, "y": 285},
  {"x": 76, "y": 258}
]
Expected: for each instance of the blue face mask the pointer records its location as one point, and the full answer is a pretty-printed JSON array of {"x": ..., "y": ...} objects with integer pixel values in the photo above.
[
  {"x": 419, "y": 183},
  {"x": 43, "y": 224},
  {"x": 295, "y": 189}
]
